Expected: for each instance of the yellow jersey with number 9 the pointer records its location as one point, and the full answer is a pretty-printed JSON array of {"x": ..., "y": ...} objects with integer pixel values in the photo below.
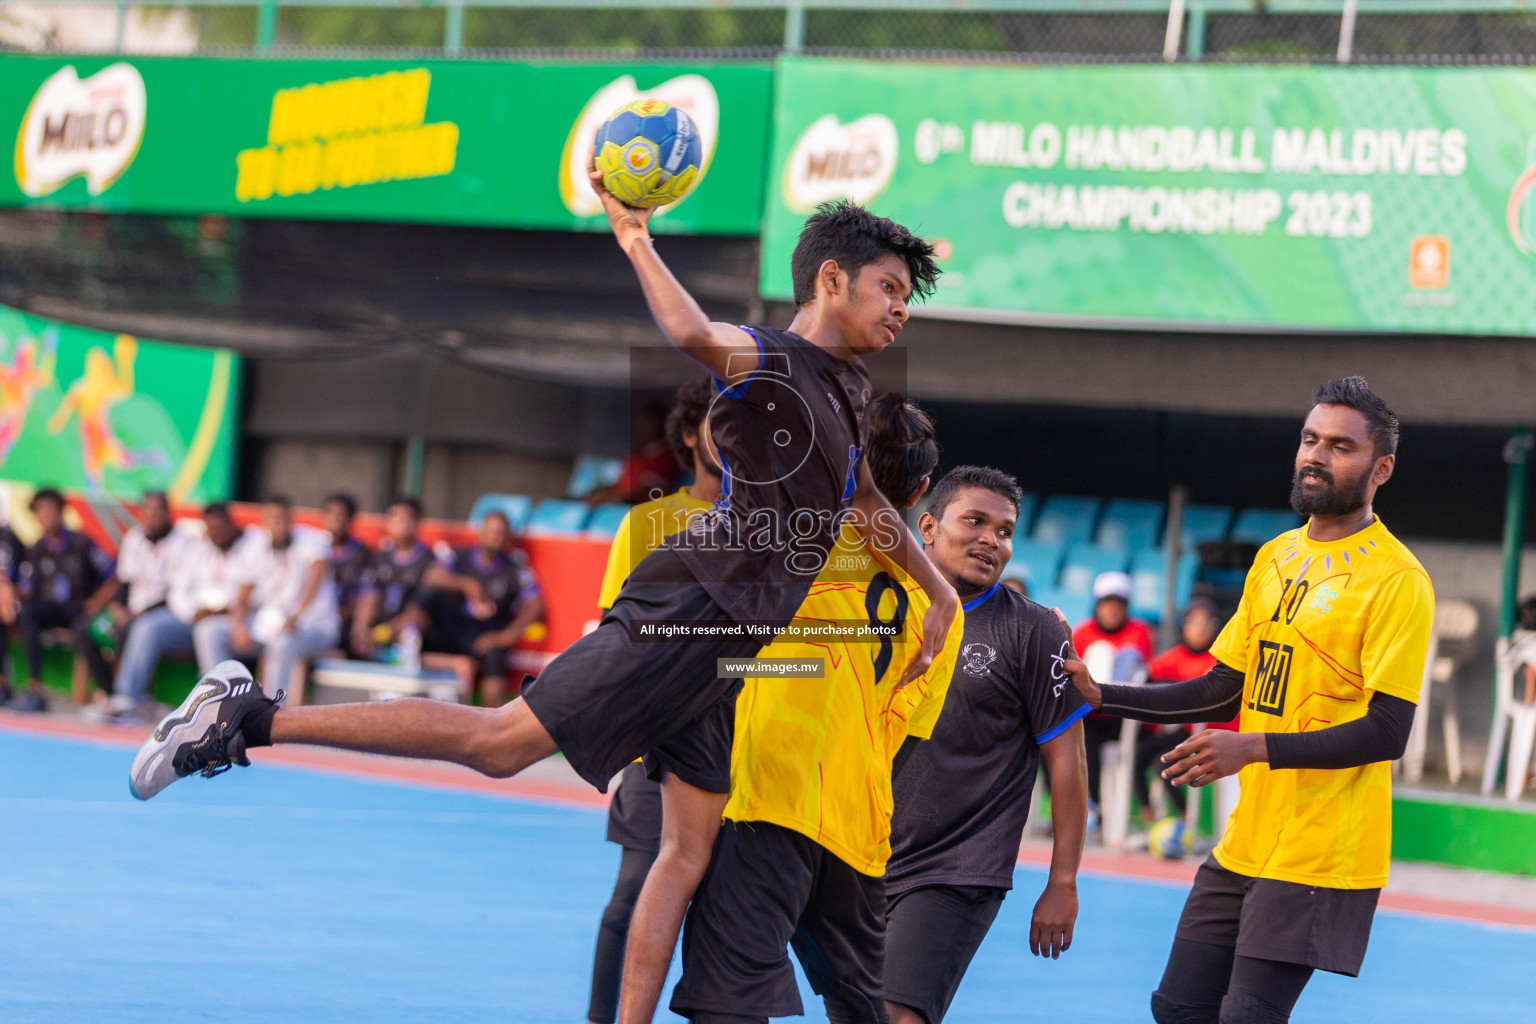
[
  {"x": 1320, "y": 628},
  {"x": 814, "y": 755}
]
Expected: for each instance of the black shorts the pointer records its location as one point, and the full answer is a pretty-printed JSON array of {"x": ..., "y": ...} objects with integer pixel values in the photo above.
[
  {"x": 607, "y": 700},
  {"x": 450, "y": 631},
  {"x": 768, "y": 888},
  {"x": 634, "y": 813},
  {"x": 1267, "y": 919},
  {"x": 931, "y": 934}
]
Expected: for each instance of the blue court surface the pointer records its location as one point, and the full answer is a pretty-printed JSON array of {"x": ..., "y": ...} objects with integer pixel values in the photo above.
[{"x": 285, "y": 895}]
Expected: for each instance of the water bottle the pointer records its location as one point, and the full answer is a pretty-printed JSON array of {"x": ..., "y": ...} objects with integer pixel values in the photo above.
[{"x": 410, "y": 649}]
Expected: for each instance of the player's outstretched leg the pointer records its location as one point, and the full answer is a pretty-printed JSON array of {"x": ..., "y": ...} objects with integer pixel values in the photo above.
[{"x": 226, "y": 713}]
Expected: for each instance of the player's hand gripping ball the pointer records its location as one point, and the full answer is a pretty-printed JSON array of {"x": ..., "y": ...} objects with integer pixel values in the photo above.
[{"x": 649, "y": 154}]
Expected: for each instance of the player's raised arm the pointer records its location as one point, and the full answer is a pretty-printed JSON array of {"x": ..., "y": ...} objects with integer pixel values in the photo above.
[
  {"x": 675, "y": 311},
  {"x": 878, "y": 520}
]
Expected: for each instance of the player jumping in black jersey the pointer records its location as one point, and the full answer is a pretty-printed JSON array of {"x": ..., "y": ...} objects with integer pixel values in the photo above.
[{"x": 788, "y": 433}]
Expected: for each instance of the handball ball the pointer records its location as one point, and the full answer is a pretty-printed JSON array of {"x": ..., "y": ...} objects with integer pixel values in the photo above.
[
  {"x": 649, "y": 153},
  {"x": 1166, "y": 838}
]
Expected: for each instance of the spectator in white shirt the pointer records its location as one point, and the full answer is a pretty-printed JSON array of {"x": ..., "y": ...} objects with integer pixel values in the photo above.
[
  {"x": 200, "y": 583},
  {"x": 150, "y": 555},
  {"x": 284, "y": 607}
]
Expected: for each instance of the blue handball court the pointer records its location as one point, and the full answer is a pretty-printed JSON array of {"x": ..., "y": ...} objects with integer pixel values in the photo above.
[{"x": 302, "y": 895}]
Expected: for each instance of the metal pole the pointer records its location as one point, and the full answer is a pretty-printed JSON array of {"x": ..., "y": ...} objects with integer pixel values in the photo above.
[
  {"x": 266, "y": 24},
  {"x": 794, "y": 27},
  {"x": 121, "y": 28},
  {"x": 1167, "y": 629},
  {"x": 453, "y": 30},
  {"x": 1175, "y": 27},
  {"x": 1518, "y": 454},
  {"x": 415, "y": 463},
  {"x": 1194, "y": 44},
  {"x": 1347, "y": 31}
]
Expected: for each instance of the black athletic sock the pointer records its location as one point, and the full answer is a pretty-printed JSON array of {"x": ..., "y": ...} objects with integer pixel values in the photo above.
[
  {"x": 1263, "y": 991},
  {"x": 257, "y": 727}
]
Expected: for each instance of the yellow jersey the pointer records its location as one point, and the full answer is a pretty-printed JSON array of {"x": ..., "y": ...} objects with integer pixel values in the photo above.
[
  {"x": 1320, "y": 627},
  {"x": 644, "y": 528},
  {"x": 814, "y": 755}
]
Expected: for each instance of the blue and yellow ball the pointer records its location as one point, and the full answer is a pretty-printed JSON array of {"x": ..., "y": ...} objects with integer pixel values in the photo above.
[{"x": 649, "y": 153}]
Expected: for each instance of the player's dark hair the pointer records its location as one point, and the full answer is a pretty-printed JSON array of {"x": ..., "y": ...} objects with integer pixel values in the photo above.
[
  {"x": 217, "y": 509},
  {"x": 343, "y": 499},
  {"x": 406, "y": 500},
  {"x": 496, "y": 514},
  {"x": 46, "y": 494},
  {"x": 156, "y": 496},
  {"x": 902, "y": 450},
  {"x": 846, "y": 232},
  {"x": 1356, "y": 394},
  {"x": 985, "y": 477},
  {"x": 280, "y": 500},
  {"x": 688, "y": 410}
]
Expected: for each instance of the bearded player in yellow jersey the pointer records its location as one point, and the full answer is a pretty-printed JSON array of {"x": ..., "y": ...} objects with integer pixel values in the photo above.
[
  {"x": 1324, "y": 659},
  {"x": 634, "y": 814},
  {"x": 807, "y": 833}
]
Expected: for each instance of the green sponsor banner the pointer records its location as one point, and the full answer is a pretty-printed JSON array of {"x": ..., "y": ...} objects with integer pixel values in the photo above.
[
  {"x": 451, "y": 142},
  {"x": 1382, "y": 199},
  {"x": 109, "y": 414}
]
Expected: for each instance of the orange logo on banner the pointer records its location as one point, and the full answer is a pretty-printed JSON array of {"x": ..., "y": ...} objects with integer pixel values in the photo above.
[{"x": 1429, "y": 261}]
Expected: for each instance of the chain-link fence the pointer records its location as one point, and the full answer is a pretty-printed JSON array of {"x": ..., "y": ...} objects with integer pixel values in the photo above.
[{"x": 1409, "y": 31}]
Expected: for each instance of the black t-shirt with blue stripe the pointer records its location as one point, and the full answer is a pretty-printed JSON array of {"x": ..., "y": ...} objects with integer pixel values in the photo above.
[{"x": 962, "y": 796}]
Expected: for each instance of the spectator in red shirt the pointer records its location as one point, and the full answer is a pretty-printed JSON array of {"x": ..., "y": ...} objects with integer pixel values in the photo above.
[
  {"x": 650, "y": 469},
  {"x": 1132, "y": 640}
]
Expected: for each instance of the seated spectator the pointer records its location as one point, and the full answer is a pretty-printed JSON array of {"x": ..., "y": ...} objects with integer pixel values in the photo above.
[
  {"x": 10, "y": 604},
  {"x": 481, "y": 601},
  {"x": 1190, "y": 658},
  {"x": 63, "y": 580},
  {"x": 1017, "y": 584},
  {"x": 150, "y": 557},
  {"x": 650, "y": 468},
  {"x": 1131, "y": 639},
  {"x": 284, "y": 607},
  {"x": 350, "y": 557},
  {"x": 393, "y": 581}
]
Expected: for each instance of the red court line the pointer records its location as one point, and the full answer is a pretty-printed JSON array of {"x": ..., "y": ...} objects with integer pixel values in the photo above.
[{"x": 416, "y": 773}]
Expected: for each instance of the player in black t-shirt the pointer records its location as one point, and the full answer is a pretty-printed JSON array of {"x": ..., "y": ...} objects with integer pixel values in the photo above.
[
  {"x": 63, "y": 580},
  {"x": 393, "y": 582},
  {"x": 10, "y": 603},
  {"x": 962, "y": 797},
  {"x": 789, "y": 438},
  {"x": 479, "y": 602}
]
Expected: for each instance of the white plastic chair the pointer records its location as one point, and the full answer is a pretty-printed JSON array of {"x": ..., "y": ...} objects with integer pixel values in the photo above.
[
  {"x": 1117, "y": 761},
  {"x": 1449, "y": 645},
  {"x": 1513, "y": 718}
]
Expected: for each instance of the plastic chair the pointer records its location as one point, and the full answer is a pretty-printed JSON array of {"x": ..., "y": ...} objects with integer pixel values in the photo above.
[
  {"x": 591, "y": 472},
  {"x": 1514, "y": 718},
  {"x": 1117, "y": 760},
  {"x": 1037, "y": 563},
  {"x": 1262, "y": 525},
  {"x": 515, "y": 507},
  {"x": 1076, "y": 607},
  {"x": 606, "y": 520},
  {"x": 557, "y": 516},
  {"x": 1148, "y": 568},
  {"x": 1450, "y": 644},
  {"x": 1028, "y": 503},
  {"x": 1202, "y": 523},
  {"x": 1065, "y": 520},
  {"x": 1084, "y": 564},
  {"x": 1130, "y": 523}
]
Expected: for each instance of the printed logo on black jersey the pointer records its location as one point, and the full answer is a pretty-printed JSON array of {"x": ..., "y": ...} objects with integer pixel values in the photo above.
[
  {"x": 978, "y": 659},
  {"x": 1271, "y": 678},
  {"x": 1059, "y": 668}
]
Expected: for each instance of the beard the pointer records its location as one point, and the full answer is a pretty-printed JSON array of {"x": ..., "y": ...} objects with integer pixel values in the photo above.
[{"x": 1332, "y": 499}]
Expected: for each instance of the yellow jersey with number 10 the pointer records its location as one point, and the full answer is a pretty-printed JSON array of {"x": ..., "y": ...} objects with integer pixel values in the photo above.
[
  {"x": 1320, "y": 628},
  {"x": 814, "y": 755}
]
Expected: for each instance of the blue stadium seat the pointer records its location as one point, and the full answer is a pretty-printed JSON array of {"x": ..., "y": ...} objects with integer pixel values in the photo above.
[
  {"x": 1076, "y": 607},
  {"x": 1085, "y": 562},
  {"x": 1147, "y": 572},
  {"x": 1065, "y": 520},
  {"x": 1035, "y": 563},
  {"x": 1262, "y": 525},
  {"x": 1203, "y": 523},
  {"x": 1027, "y": 505},
  {"x": 557, "y": 516},
  {"x": 606, "y": 519},
  {"x": 592, "y": 472},
  {"x": 514, "y": 506},
  {"x": 1131, "y": 524}
]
